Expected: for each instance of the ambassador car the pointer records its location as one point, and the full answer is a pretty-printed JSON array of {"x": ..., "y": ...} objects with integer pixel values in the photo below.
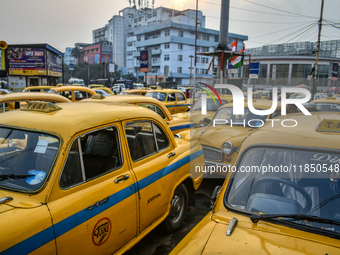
[
  {"x": 221, "y": 138},
  {"x": 283, "y": 197},
  {"x": 74, "y": 93},
  {"x": 173, "y": 99},
  {"x": 81, "y": 178}
]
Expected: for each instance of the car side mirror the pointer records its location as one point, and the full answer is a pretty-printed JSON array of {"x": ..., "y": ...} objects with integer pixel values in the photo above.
[{"x": 214, "y": 195}]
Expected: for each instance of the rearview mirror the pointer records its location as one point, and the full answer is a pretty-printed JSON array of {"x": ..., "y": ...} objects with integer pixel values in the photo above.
[{"x": 214, "y": 195}]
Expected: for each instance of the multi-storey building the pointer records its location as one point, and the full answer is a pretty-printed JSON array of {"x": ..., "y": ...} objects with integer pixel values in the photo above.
[
  {"x": 170, "y": 34},
  {"x": 68, "y": 58}
]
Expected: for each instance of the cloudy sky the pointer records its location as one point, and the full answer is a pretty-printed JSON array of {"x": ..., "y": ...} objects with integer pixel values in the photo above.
[{"x": 61, "y": 23}]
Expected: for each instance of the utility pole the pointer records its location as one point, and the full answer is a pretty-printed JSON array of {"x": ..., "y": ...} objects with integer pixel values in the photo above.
[
  {"x": 317, "y": 51},
  {"x": 194, "y": 90},
  {"x": 191, "y": 56}
]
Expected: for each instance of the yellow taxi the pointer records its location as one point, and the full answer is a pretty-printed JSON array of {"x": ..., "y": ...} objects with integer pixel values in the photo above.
[
  {"x": 173, "y": 99},
  {"x": 283, "y": 196},
  {"x": 221, "y": 138},
  {"x": 264, "y": 94},
  {"x": 213, "y": 104},
  {"x": 256, "y": 95},
  {"x": 175, "y": 124},
  {"x": 37, "y": 88},
  {"x": 92, "y": 180},
  {"x": 328, "y": 104},
  {"x": 13, "y": 101},
  {"x": 74, "y": 93},
  {"x": 103, "y": 91},
  {"x": 96, "y": 86},
  {"x": 140, "y": 92}
]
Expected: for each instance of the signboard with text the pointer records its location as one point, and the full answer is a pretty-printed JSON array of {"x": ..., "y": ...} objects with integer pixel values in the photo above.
[
  {"x": 54, "y": 64},
  {"x": 145, "y": 61},
  {"x": 254, "y": 70},
  {"x": 26, "y": 61},
  {"x": 335, "y": 70}
]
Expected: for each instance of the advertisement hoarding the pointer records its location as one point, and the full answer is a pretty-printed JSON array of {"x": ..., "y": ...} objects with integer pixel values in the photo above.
[
  {"x": 26, "y": 61},
  {"x": 54, "y": 64},
  {"x": 145, "y": 61}
]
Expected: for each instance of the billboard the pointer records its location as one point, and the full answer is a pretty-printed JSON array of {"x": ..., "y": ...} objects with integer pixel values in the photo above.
[
  {"x": 145, "y": 61},
  {"x": 254, "y": 70},
  {"x": 26, "y": 61},
  {"x": 335, "y": 70},
  {"x": 54, "y": 64}
]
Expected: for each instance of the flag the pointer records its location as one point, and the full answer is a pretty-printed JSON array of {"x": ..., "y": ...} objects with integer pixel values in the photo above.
[
  {"x": 238, "y": 60},
  {"x": 233, "y": 46}
]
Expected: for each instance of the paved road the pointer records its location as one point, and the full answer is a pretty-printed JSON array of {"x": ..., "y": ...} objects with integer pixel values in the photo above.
[{"x": 158, "y": 242}]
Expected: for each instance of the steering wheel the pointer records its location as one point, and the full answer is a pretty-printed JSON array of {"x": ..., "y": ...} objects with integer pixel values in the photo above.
[{"x": 303, "y": 192}]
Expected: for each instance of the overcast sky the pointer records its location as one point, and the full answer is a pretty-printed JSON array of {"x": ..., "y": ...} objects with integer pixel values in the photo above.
[{"x": 61, "y": 23}]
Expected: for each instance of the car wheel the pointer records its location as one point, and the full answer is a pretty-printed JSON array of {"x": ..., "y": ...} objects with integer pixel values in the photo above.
[{"x": 178, "y": 209}]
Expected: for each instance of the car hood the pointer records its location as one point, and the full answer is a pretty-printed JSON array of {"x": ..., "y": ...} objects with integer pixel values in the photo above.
[
  {"x": 216, "y": 136},
  {"x": 266, "y": 238},
  {"x": 19, "y": 200}
]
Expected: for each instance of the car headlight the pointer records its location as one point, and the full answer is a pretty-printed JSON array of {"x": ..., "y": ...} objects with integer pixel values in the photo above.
[{"x": 228, "y": 148}]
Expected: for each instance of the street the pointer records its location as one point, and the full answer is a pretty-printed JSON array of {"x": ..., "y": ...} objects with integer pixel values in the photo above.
[{"x": 158, "y": 242}]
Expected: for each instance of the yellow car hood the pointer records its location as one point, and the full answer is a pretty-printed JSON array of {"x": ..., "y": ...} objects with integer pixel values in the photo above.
[
  {"x": 216, "y": 136},
  {"x": 248, "y": 238}
]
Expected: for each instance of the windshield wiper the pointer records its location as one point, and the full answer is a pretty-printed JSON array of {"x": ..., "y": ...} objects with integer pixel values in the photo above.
[
  {"x": 14, "y": 176},
  {"x": 256, "y": 217}
]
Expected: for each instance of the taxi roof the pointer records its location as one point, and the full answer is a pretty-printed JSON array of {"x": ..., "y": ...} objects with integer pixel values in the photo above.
[
  {"x": 39, "y": 87},
  {"x": 129, "y": 99},
  {"x": 332, "y": 100},
  {"x": 74, "y": 117},
  {"x": 306, "y": 133},
  {"x": 64, "y": 88},
  {"x": 37, "y": 96},
  {"x": 166, "y": 90}
]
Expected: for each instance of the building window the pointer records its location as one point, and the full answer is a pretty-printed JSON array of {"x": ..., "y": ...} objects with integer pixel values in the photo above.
[
  {"x": 129, "y": 44},
  {"x": 198, "y": 59},
  {"x": 180, "y": 33},
  {"x": 198, "y": 49},
  {"x": 149, "y": 15},
  {"x": 154, "y": 14},
  {"x": 180, "y": 46},
  {"x": 179, "y": 69},
  {"x": 138, "y": 38},
  {"x": 166, "y": 57},
  {"x": 197, "y": 70},
  {"x": 139, "y": 18},
  {"x": 167, "y": 32},
  {"x": 180, "y": 57},
  {"x": 167, "y": 46}
]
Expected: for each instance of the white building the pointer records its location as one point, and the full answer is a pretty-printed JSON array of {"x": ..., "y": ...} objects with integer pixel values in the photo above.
[
  {"x": 68, "y": 58},
  {"x": 170, "y": 34}
]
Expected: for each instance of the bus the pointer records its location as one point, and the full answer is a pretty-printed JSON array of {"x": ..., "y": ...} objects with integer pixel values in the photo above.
[{"x": 76, "y": 81}]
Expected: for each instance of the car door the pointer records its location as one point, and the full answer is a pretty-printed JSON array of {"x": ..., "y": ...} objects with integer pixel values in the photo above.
[
  {"x": 152, "y": 155},
  {"x": 181, "y": 102},
  {"x": 171, "y": 103},
  {"x": 95, "y": 210}
]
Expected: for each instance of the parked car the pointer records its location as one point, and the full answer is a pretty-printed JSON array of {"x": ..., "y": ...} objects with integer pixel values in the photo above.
[
  {"x": 282, "y": 198},
  {"x": 175, "y": 124},
  {"x": 118, "y": 88},
  {"x": 104, "y": 91},
  {"x": 74, "y": 93},
  {"x": 13, "y": 101},
  {"x": 90, "y": 178},
  {"x": 140, "y": 92},
  {"x": 222, "y": 137},
  {"x": 328, "y": 104},
  {"x": 173, "y": 99},
  {"x": 37, "y": 88}
]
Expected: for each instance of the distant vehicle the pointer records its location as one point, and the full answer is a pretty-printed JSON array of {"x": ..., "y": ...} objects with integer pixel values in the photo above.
[
  {"x": 5, "y": 91},
  {"x": 138, "y": 86},
  {"x": 102, "y": 92},
  {"x": 128, "y": 84},
  {"x": 76, "y": 81},
  {"x": 118, "y": 88},
  {"x": 168, "y": 85}
]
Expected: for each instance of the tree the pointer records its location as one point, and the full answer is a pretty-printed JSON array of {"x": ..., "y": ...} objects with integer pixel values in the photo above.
[{"x": 76, "y": 53}]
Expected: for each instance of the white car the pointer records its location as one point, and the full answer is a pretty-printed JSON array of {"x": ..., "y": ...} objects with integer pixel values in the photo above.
[{"x": 118, "y": 88}]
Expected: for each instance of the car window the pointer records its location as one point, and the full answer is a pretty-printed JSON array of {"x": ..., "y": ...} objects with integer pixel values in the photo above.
[
  {"x": 155, "y": 108},
  {"x": 24, "y": 153},
  {"x": 144, "y": 139},
  {"x": 180, "y": 97},
  {"x": 257, "y": 96},
  {"x": 161, "y": 96},
  {"x": 99, "y": 152},
  {"x": 171, "y": 97}
]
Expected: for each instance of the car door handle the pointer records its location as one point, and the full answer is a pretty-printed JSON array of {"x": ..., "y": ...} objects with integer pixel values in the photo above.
[
  {"x": 119, "y": 179},
  {"x": 171, "y": 154}
]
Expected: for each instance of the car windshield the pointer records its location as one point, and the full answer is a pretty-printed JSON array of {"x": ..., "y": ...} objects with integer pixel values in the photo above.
[
  {"x": 288, "y": 182},
  {"x": 26, "y": 158},
  {"x": 161, "y": 96},
  {"x": 328, "y": 107},
  {"x": 51, "y": 91},
  {"x": 211, "y": 106},
  {"x": 225, "y": 116}
]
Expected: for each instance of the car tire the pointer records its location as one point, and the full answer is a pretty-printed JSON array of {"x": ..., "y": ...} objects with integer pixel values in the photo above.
[{"x": 178, "y": 209}]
